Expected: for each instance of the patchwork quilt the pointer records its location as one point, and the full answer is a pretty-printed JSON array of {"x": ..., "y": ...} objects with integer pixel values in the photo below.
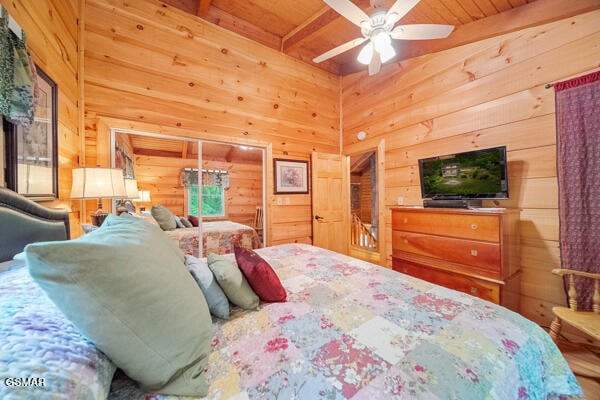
[{"x": 350, "y": 329}]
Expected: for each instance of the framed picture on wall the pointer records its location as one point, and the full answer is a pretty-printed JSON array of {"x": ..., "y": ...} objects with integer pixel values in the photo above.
[
  {"x": 32, "y": 151},
  {"x": 291, "y": 176}
]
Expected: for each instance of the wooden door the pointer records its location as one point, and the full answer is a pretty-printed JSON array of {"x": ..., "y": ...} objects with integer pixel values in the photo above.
[{"x": 330, "y": 201}]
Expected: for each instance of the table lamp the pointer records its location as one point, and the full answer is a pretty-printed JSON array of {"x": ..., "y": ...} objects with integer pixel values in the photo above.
[
  {"x": 143, "y": 197},
  {"x": 124, "y": 205},
  {"x": 98, "y": 183}
]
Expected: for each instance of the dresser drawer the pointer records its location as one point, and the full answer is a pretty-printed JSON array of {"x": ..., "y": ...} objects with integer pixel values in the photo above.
[
  {"x": 484, "y": 256},
  {"x": 476, "y": 287},
  {"x": 466, "y": 226}
]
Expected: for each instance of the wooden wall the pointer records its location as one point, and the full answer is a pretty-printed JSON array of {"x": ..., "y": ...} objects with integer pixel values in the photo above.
[
  {"x": 52, "y": 32},
  {"x": 150, "y": 67},
  {"x": 484, "y": 94}
]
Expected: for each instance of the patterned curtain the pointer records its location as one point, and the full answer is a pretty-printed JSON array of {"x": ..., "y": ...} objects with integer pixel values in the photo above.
[
  {"x": 17, "y": 76},
  {"x": 578, "y": 171},
  {"x": 216, "y": 178}
]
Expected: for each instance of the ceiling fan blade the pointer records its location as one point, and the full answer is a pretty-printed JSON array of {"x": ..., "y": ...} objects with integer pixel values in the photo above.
[
  {"x": 421, "y": 31},
  {"x": 348, "y": 10},
  {"x": 340, "y": 49},
  {"x": 402, "y": 7},
  {"x": 375, "y": 64}
]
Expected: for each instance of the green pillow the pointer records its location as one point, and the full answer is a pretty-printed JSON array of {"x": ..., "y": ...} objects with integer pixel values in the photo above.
[
  {"x": 233, "y": 283},
  {"x": 127, "y": 289},
  {"x": 164, "y": 217}
]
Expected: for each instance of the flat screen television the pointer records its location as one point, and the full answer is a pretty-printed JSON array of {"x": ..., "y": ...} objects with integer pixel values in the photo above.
[{"x": 477, "y": 174}]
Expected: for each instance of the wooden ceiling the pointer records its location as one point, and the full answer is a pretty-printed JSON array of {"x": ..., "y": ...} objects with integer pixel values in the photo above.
[
  {"x": 143, "y": 145},
  {"x": 305, "y": 29}
]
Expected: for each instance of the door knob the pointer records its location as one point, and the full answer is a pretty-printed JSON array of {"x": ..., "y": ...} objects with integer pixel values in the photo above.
[{"x": 318, "y": 218}]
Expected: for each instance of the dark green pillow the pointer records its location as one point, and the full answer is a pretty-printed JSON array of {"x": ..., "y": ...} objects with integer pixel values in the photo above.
[
  {"x": 233, "y": 283},
  {"x": 127, "y": 289},
  {"x": 164, "y": 217}
]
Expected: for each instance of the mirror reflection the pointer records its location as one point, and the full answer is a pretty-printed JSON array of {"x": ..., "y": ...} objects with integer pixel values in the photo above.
[{"x": 194, "y": 189}]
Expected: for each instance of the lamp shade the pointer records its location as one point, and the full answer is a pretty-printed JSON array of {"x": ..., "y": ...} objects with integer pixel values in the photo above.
[
  {"x": 143, "y": 196},
  {"x": 131, "y": 188},
  {"x": 97, "y": 182}
]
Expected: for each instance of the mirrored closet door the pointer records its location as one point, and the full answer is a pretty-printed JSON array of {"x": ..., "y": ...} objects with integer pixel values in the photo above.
[{"x": 217, "y": 188}]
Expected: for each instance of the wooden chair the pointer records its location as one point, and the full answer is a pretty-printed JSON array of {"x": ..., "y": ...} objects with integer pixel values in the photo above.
[
  {"x": 258, "y": 222},
  {"x": 585, "y": 321}
]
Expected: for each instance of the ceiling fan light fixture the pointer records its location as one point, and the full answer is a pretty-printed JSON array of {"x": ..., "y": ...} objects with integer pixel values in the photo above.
[
  {"x": 387, "y": 53},
  {"x": 365, "y": 55},
  {"x": 381, "y": 41}
]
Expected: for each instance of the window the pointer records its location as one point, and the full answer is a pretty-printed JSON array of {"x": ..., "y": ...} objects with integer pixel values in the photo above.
[{"x": 213, "y": 201}]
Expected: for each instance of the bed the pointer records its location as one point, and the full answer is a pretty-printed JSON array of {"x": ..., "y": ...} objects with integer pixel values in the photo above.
[
  {"x": 349, "y": 329},
  {"x": 218, "y": 237}
]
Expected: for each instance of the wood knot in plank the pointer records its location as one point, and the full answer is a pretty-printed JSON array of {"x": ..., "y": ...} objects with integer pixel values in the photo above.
[
  {"x": 190, "y": 34},
  {"x": 176, "y": 61}
]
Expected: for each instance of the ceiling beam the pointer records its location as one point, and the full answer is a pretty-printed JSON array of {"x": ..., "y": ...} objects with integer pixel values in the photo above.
[
  {"x": 532, "y": 14},
  {"x": 316, "y": 22},
  {"x": 203, "y": 6}
]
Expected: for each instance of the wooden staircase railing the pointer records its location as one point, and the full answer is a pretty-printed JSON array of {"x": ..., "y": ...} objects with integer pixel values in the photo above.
[{"x": 361, "y": 235}]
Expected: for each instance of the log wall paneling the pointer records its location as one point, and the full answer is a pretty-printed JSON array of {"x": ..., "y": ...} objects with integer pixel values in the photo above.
[
  {"x": 484, "y": 94},
  {"x": 53, "y": 35},
  {"x": 176, "y": 74}
]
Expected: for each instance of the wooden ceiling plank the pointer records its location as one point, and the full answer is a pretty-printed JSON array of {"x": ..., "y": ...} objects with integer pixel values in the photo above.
[
  {"x": 455, "y": 8},
  {"x": 428, "y": 13},
  {"x": 487, "y": 7},
  {"x": 502, "y": 5},
  {"x": 203, "y": 6},
  {"x": 452, "y": 12},
  {"x": 532, "y": 14},
  {"x": 474, "y": 11}
]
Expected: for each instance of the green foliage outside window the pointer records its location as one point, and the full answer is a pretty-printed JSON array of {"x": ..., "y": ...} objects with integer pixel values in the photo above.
[{"x": 213, "y": 203}]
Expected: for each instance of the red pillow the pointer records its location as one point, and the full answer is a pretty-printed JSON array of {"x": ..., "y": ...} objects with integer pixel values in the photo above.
[
  {"x": 193, "y": 219},
  {"x": 259, "y": 274}
]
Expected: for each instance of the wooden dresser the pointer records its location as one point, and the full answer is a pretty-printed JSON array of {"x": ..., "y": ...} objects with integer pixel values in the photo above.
[{"x": 474, "y": 251}]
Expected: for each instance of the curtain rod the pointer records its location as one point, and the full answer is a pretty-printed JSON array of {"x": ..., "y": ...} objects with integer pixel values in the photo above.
[{"x": 549, "y": 85}]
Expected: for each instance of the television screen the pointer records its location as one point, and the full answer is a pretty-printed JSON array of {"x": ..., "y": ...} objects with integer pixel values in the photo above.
[{"x": 478, "y": 174}]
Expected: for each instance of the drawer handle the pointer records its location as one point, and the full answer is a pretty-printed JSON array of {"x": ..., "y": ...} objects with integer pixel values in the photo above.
[
  {"x": 405, "y": 241},
  {"x": 474, "y": 290},
  {"x": 474, "y": 253},
  {"x": 405, "y": 220},
  {"x": 474, "y": 226}
]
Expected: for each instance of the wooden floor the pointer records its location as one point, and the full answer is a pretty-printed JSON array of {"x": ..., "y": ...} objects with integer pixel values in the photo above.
[{"x": 586, "y": 366}]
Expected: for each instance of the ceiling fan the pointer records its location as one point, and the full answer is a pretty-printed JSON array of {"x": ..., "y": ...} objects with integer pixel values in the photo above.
[{"x": 379, "y": 30}]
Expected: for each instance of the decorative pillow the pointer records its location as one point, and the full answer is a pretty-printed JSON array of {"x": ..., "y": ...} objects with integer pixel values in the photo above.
[
  {"x": 186, "y": 222},
  {"x": 261, "y": 277},
  {"x": 164, "y": 217},
  {"x": 37, "y": 341},
  {"x": 126, "y": 287},
  {"x": 216, "y": 299},
  {"x": 178, "y": 223},
  {"x": 233, "y": 283},
  {"x": 194, "y": 220}
]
